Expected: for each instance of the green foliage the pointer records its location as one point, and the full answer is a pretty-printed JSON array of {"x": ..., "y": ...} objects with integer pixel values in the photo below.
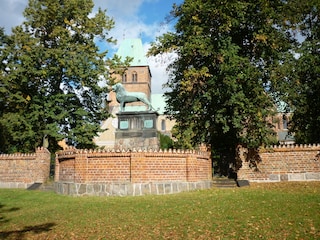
[
  {"x": 51, "y": 69},
  {"x": 165, "y": 141},
  {"x": 222, "y": 77},
  {"x": 305, "y": 80},
  {"x": 182, "y": 136}
]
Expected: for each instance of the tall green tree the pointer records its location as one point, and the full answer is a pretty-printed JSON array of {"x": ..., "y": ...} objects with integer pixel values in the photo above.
[
  {"x": 3, "y": 40},
  {"x": 305, "y": 80},
  {"x": 223, "y": 73},
  {"x": 50, "y": 79}
]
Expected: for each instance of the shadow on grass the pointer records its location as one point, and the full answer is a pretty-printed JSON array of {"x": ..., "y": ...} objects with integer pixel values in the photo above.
[
  {"x": 19, "y": 234},
  {"x": 3, "y": 210}
]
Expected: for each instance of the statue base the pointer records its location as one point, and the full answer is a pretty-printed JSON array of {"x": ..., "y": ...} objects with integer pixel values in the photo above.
[{"x": 137, "y": 130}]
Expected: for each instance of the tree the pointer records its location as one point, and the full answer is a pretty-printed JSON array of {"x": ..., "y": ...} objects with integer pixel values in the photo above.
[
  {"x": 305, "y": 80},
  {"x": 165, "y": 141},
  {"x": 3, "y": 40},
  {"x": 50, "y": 79},
  {"x": 222, "y": 78}
]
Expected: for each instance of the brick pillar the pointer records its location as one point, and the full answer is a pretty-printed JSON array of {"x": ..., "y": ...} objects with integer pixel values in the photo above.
[
  {"x": 81, "y": 167},
  {"x": 56, "y": 169},
  {"x": 191, "y": 168},
  {"x": 42, "y": 170}
]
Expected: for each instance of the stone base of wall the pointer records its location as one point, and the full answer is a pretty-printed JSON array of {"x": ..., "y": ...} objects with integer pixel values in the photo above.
[
  {"x": 14, "y": 185},
  {"x": 128, "y": 189},
  {"x": 310, "y": 176}
]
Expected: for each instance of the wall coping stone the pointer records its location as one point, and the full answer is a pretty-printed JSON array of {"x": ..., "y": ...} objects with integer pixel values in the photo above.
[
  {"x": 126, "y": 152},
  {"x": 15, "y": 155},
  {"x": 290, "y": 147}
]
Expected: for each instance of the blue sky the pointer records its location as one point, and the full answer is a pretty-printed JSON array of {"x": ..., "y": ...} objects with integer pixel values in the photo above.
[{"x": 133, "y": 19}]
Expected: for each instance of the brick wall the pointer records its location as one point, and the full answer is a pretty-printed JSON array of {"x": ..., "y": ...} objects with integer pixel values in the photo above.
[
  {"x": 22, "y": 170},
  {"x": 78, "y": 169},
  {"x": 88, "y": 166},
  {"x": 283, "y": 163}
]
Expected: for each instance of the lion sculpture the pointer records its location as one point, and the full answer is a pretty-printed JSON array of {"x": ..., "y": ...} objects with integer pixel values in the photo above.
[{"x": 124, "y": 97}]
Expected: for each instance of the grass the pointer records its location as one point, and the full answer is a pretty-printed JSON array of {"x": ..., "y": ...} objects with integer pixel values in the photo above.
[{"x": 261, "y": 211}]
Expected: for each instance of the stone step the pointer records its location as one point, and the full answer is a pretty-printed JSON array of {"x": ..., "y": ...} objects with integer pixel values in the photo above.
[
  {"x": 223, "y": 182},
  {"x": 48, "y": 186},
  {"x": 34, "y": 186}
]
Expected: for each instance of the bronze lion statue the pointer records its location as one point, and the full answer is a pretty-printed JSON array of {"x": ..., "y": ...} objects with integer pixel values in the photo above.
[{"x": 124, "y": 97}]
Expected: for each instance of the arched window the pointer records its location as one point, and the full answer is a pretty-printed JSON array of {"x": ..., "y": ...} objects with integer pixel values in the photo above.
[
  {"x": 134, "y": 76},
  {"x": 285, "y": 122},
  {"x": 163, "y": 125},
  {"x": 124, "y": 77}
]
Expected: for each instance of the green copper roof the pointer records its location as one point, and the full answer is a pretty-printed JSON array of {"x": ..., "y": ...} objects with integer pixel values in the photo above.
[{"x": 133, "y": 48}]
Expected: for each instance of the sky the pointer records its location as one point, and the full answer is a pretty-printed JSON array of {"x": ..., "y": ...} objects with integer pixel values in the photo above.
[{"x": 143, "y": 19}]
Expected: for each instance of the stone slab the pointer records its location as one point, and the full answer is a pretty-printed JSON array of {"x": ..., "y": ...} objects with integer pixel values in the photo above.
[
  {"x": 296, "y": 177},
  {"x": 128, "y": 189},
  {"x": 312, "y": 176}
]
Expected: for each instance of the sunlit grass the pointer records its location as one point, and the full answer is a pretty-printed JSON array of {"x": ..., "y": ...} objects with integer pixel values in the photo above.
[{"x": 261, "y": 211}]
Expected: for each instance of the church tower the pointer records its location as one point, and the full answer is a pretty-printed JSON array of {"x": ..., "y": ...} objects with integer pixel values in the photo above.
[{"x": 137, "y": 77}]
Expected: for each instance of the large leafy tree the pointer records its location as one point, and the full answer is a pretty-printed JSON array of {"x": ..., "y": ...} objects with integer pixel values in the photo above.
[
  {"x": 305, "y": 80},
  {"x": 50, "y": 74},
  {"x": 223, "y": 76},
  {"x": 3, "y": 39}
]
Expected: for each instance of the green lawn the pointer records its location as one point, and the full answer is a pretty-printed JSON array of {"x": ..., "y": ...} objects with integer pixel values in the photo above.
[{"x": 261, "y": 211}]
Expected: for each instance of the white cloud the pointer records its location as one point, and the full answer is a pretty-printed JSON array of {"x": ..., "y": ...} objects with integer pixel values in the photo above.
[
  {"x": 158, "y": 67},
  {"x": 128, "y": 24},
  {"x": 159, "y": 75},
  {"x": 11, "y": 13}
]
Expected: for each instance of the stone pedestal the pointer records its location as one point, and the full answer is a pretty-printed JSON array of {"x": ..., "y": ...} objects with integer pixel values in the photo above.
[{"x": 137, "y": 130}]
